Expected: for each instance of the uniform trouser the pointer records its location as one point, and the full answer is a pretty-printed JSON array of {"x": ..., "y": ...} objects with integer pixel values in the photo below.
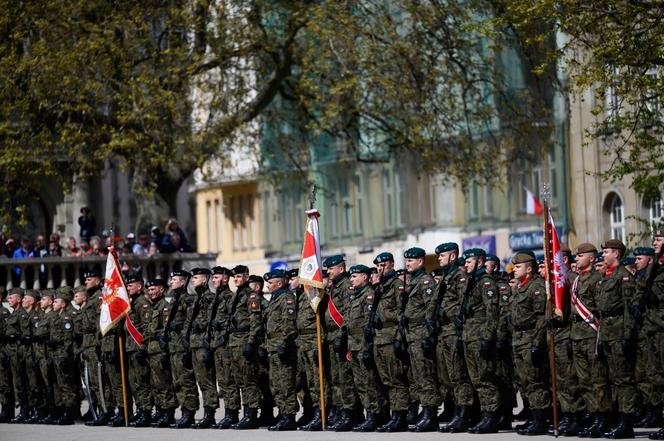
[
  {"x": 66, "y": 379},
  {"x": 424, "y": 374},
  {"x": 162, "y": 382},
  {"x": 282, "y": 382},
  {"x": 392, "y": 372},
  {"x": 531, "y": 378},
  {"x": 139, "y": 381},
  {"x": 455, "y": 365},
  {"x": 307, "y": 365},
  {"x": 47, "y": 382},
  {"x": 6, "y": 382},
  {"x": 203, "y": 362},
  {"x": 655, "y": 367},
  {"x": 267, "y": 397},
  {"x": 641, "y": 376},
  {"x": 344, "y": 394},
  {"x": 244, "y": 374},
  {"x": 367, "y": 384},
  {"x": 228, "y": 389},
  {"x": 621, "y": 376},
  {"x": 19, "y": 377},
  {"x": 184, "y": 381},
  {"x": 114, "y": 374},
  {"x": 592, "y": 377},
  {"x": 34, "y": 381},
  {"x": 90, "y": 357},
  {"x": 482, "y": 376},
  {"x": 566, "y": 379}
]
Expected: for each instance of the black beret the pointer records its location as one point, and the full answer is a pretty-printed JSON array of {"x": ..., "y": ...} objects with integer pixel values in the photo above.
[
  {"x": 240, "y": 269},
  {"x": 383, "y": 257},
  {"x": 155, "y": 282},
  {"x": 276, "y": 274},
  {"x": 325, "y": 274},
  {"x": 334, "y": 260},
  {"x": 401, "y": 272},
  {"x": 3, "y": 290},
  {"x": 644, "y": 251},
  {"x": 292, "y": 273},
  {"x": 92, "y": 273},
  {"x": 599, "y": 257},
  {"x": 180, "y": 273},
  {"x": 492, "y": 258},
  {"x": 133, "y": 278},
  {"x": 360, "y": 269},
  {"x": 200, "y": 271},
  {"x": 222, "y": 270},
  {"x": 628, "y": 261},
  {"x": 255, "y": 279},
  {"x": 461, "y": 260},
  {"x": 447, "y": 246},
  {"x": 437, "y": 272},
  {"x": 414, "y": 253},
  {"x": 474, "y": 252}
]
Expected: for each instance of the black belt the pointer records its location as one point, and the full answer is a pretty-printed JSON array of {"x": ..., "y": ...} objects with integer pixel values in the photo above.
[
  {"x": 524, "y": 327},
  {"x": 307, "y": 332},
  {"x": 611, "y": 314},
  {"x": 275, "y": 334},
  {"x": 355, "y": 331}
]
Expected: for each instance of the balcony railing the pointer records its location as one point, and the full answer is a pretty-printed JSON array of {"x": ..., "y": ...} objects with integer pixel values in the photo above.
[{"x": 53, "y": 272}]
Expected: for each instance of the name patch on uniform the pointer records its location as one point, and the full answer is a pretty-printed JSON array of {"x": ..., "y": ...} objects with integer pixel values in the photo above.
[{"x": 291, "y": 311}]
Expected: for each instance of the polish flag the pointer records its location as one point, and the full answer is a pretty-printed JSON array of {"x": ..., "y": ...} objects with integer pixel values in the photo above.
[
  {"x": 558, "y": 275},
  {"x": 311, "y": 268},
  {"x": 533, "y": 205}
]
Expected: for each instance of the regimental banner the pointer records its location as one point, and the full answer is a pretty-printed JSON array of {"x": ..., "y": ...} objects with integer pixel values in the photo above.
[
  {"x": 559, "y": 271},
  {"x": 311, "y": 268}
]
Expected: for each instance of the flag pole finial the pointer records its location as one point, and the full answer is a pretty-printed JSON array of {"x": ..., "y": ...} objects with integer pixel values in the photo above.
[
  {"x": 312, "y": 196},
  {"x": 545, "y": 193}
]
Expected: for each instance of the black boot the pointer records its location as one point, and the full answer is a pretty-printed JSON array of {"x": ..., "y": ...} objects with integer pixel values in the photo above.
[
  {"x": 186, "y": 420},
  {"x": 574, "y": 426},
  {"x": 208, "y": 419},
  {"x": 230, "y": 418},
  {"x": 332, "y": 418},
  {"x": 53, "y": 416},
  {"x": 562, "y": 423},
  {"x": 345, "y": 421},
  {"x": 101, "y": 420},
  {"x": 267, "y": 418},
  {"x": 67, "y": 417},
  {"x": 287, "y": 422},
  {"x": 250, "y": 420},
  {"x": 396, "y": 424},
  {"x": 524, "y": 414},
  {"x": 449, "y": 411},
  {"x": 167, "y": 419},
  {"x": 7, "y": 413},
  {"x": 369, "y": 425},
  {"x": 488, "y": 423},
  {"x": 652, "y": 417},
  {"x": 36, "y": 415},
  {"x": 307, "y": 415},
  {"x": 157, "y": 415},
  {"x": 596, "y": 429},
  {"x": 659, "y": 435},
  {"x": 460, "y": 421},
  {"x": 428, "y": 422},
  {"x": 143, "y": 419},
  {"x": 624, "y": 429},
  {"x": 538, "y": 425},
  {"x": 316, "y": 423},
  {"x": 413, "y": 413},
  {"x": 118, "y": 420}
]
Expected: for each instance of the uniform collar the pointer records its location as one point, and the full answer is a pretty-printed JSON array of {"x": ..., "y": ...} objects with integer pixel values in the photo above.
[
  {"x": 385, "y": 277},
  {"x": 523, "y": 281},
  {"x": 417, "y": 272},
  {"x": 278, "y": 292},
  {"x": 610, "y": 271}
]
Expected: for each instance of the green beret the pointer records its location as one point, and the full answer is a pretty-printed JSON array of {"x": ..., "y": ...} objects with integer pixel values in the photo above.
[
  {"x": 447, "y": 246},
  {"x": 644, "y": 251},
  {"x": 523, "y": 257},
  {"x": 628, "y": 261},
  {"x": 586, "y": 248},
  {"x": 334, "y": 260},
  {"x": 492, "y": 258},
  {"x": 474, "y": 252},
  {"x": 600, "y": 257},
  {"x": 32, "y": 293},
  {"x": 414, "y": 253},
  {"x": 48, "y": 293},
  {"x": 80, "y": 288},
  {"x": 360, "y": 269},
  {"x": 276, "y": 274},
  {"x": 16, "y": 290},
  {"x": 461, "y": 260},
  {"x": 383, "y": 257},
  {"x": 659, "y": 232},
  {"x": 65, "y": 293},
  {"x": 614, "y": 244}
]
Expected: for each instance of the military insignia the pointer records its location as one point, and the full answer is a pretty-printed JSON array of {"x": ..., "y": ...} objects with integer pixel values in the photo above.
[
  {"x": 254, "y": 305},
  {"x": 36, "y": 324},
  {"x": 489, "y": 293},
  {"x": 291, "y": 311},
  {"x": 426, "y": 282},
  {"x": 537, "y": 293},
  {"x": 66, "y": 318},
  {"x": 145, "y": 306},
  {"x": 487, "y": 283},
  {"x": 401, "y": 288},
  {"x": 146, "y": 315},
  {"x": 461, "y": 280},
  {"x": 504, "y": 298},
  {"x": 503, "y": 288},
  {"x": 429, "y": 291},
  {"x": 289, "y": 302},
  {"x": 67, "y": 326},
  {"x": 625, "y": 279},
  {"x": 369, "y": 297}
]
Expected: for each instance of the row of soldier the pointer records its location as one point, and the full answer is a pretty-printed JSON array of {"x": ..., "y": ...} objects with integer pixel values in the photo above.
[{"x": 467, "y": 336}]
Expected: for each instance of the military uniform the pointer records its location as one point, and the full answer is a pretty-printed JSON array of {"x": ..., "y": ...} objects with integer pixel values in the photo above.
[
  {"x": 504, "y": 359},
  {"x": 281, "y": 332},
  {"x": 26, "y": 320},
  {"x": 14, "y": 351},
  {"x": 421, "y": 307},
  {"x": 6, "y": 392},
  {"x": 44, "y": 363},
  {"x": 653, "y": 328},
  {"x": 137, "y": 355}
]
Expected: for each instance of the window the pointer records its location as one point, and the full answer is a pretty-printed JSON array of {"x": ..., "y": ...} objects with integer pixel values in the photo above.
[
  {"x": 616, "y": 216},
  {"x": 299, "y": 216},
  {"x": 523, "y": 200},
  {"x": 553, "y": 176},
  {"x": 611, "y": 101},
  {"x": 537, "y": 180},
  {"x": 220, "y": 221},
  {"x": 433, "y": 189},
  {"x": 400, "y": 202},
  {"x": 211, "y": 224},
  {"x": 346, "y": 206},
  {"x": 655, "y": 211},
  {"x": 473, "y": 201},
  {"x": 267, "y": 216},
  {"x": 235, "y": 216},
  {"x": 651, "y": 98},
  {"x": 357, "y": 184},
  {"x": 488, "y": 200},
  {"x": 387, "y": 200},
  {"x": 334, "y": 208}
]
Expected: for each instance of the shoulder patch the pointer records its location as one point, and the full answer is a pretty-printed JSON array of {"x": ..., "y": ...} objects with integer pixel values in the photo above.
[
  {"x": 426, "y": 282},
  {"x": 625, "y": 279},
  {"x": 462, "y": 279},
  {"x": 145, "y": 306},
  {"x": 254, "y": 305},
  {"x": 289, "y": 302},
  {"x": 537, "y": 293},
  {"x": 369, "y": 297},
  {"x": 489, "y": 293},
  {"x": 487, "y": 283}
]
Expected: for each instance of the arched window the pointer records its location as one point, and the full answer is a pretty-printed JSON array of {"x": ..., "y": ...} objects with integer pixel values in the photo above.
[
  {"x": 616, "y": 214},
  {"x": 655, "y": 211}
]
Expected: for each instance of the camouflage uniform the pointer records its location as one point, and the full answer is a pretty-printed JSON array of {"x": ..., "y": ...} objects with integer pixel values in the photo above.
[
  {"x": 61, "y": 346},
  {"x": 156, "y": 335},
  {"x": 220, "y": 310},
  {"x": 6, "y": 392},
  {"x": 137, "y": 355}
]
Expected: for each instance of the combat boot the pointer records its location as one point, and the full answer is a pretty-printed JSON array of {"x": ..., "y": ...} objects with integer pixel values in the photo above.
[
  {"x": 599, "y": 425},
  {"x": 449, "y": 411},
  {"x": 428, "y": 422},
  {"x": 538, "y": 425},
  {"x": 208, "y": 419},
  {"x": 652, "y": 417},
  {"x": 307, "y": 414},
  {"x": 156, "y": 416},
  {"x": 332, "y": 418},
  {"x": 624, "y": 429},
  {"x": 167, "y": 419},
  {"x": 118, "y": 420},
  {"x": 287, "y": 422},
  {"x": 250, "y": 420},
  {"x": 7, "y": 413},
  {"x": 53, "y": 415},
  {"x": 369, "y": 425},
  {"x": 267, "y": 418},
  {"x": 460, "y": 421},
  {"x": 345, "y": 421},
  {"x": 488, "y": 424},
  {"x": 316, "y": 423},
  {"x": 563, "y": 423},
  {"x": 185, "y": 421},
  {"x": 396, "y": 424},
  {"x": 524, "y": 414},
  {"x": 36, "y": 414},
  {"x": 66, "y": 419},
  {"x": 230, "y": 418},
  {"x": 143, "y": 419},
  {"x": 101, "y": 420},
  {"x": 574, "y": 426},
  {"x": 412, "y": 415},
  {"x": 659, "y": 435}
]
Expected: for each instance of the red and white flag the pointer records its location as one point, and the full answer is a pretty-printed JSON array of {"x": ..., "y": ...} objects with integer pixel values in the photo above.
[
  {"x": 311, "y": 268},
  {"x": 533, "y": 205},
  {"x": 581, "y": 309},
  {"x": 559, "y": 271},
  {"x": 115, "y": 299}
]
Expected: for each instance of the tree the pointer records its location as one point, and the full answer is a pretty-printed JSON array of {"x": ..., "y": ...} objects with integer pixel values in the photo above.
[{"x": 159, "y": 87}]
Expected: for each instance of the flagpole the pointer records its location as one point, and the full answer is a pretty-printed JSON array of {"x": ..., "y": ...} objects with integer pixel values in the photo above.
[
  {"x": 548, "y": 258},
  {"x": 124, "y": 385},
  {"x": 321, "y": 387}
]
